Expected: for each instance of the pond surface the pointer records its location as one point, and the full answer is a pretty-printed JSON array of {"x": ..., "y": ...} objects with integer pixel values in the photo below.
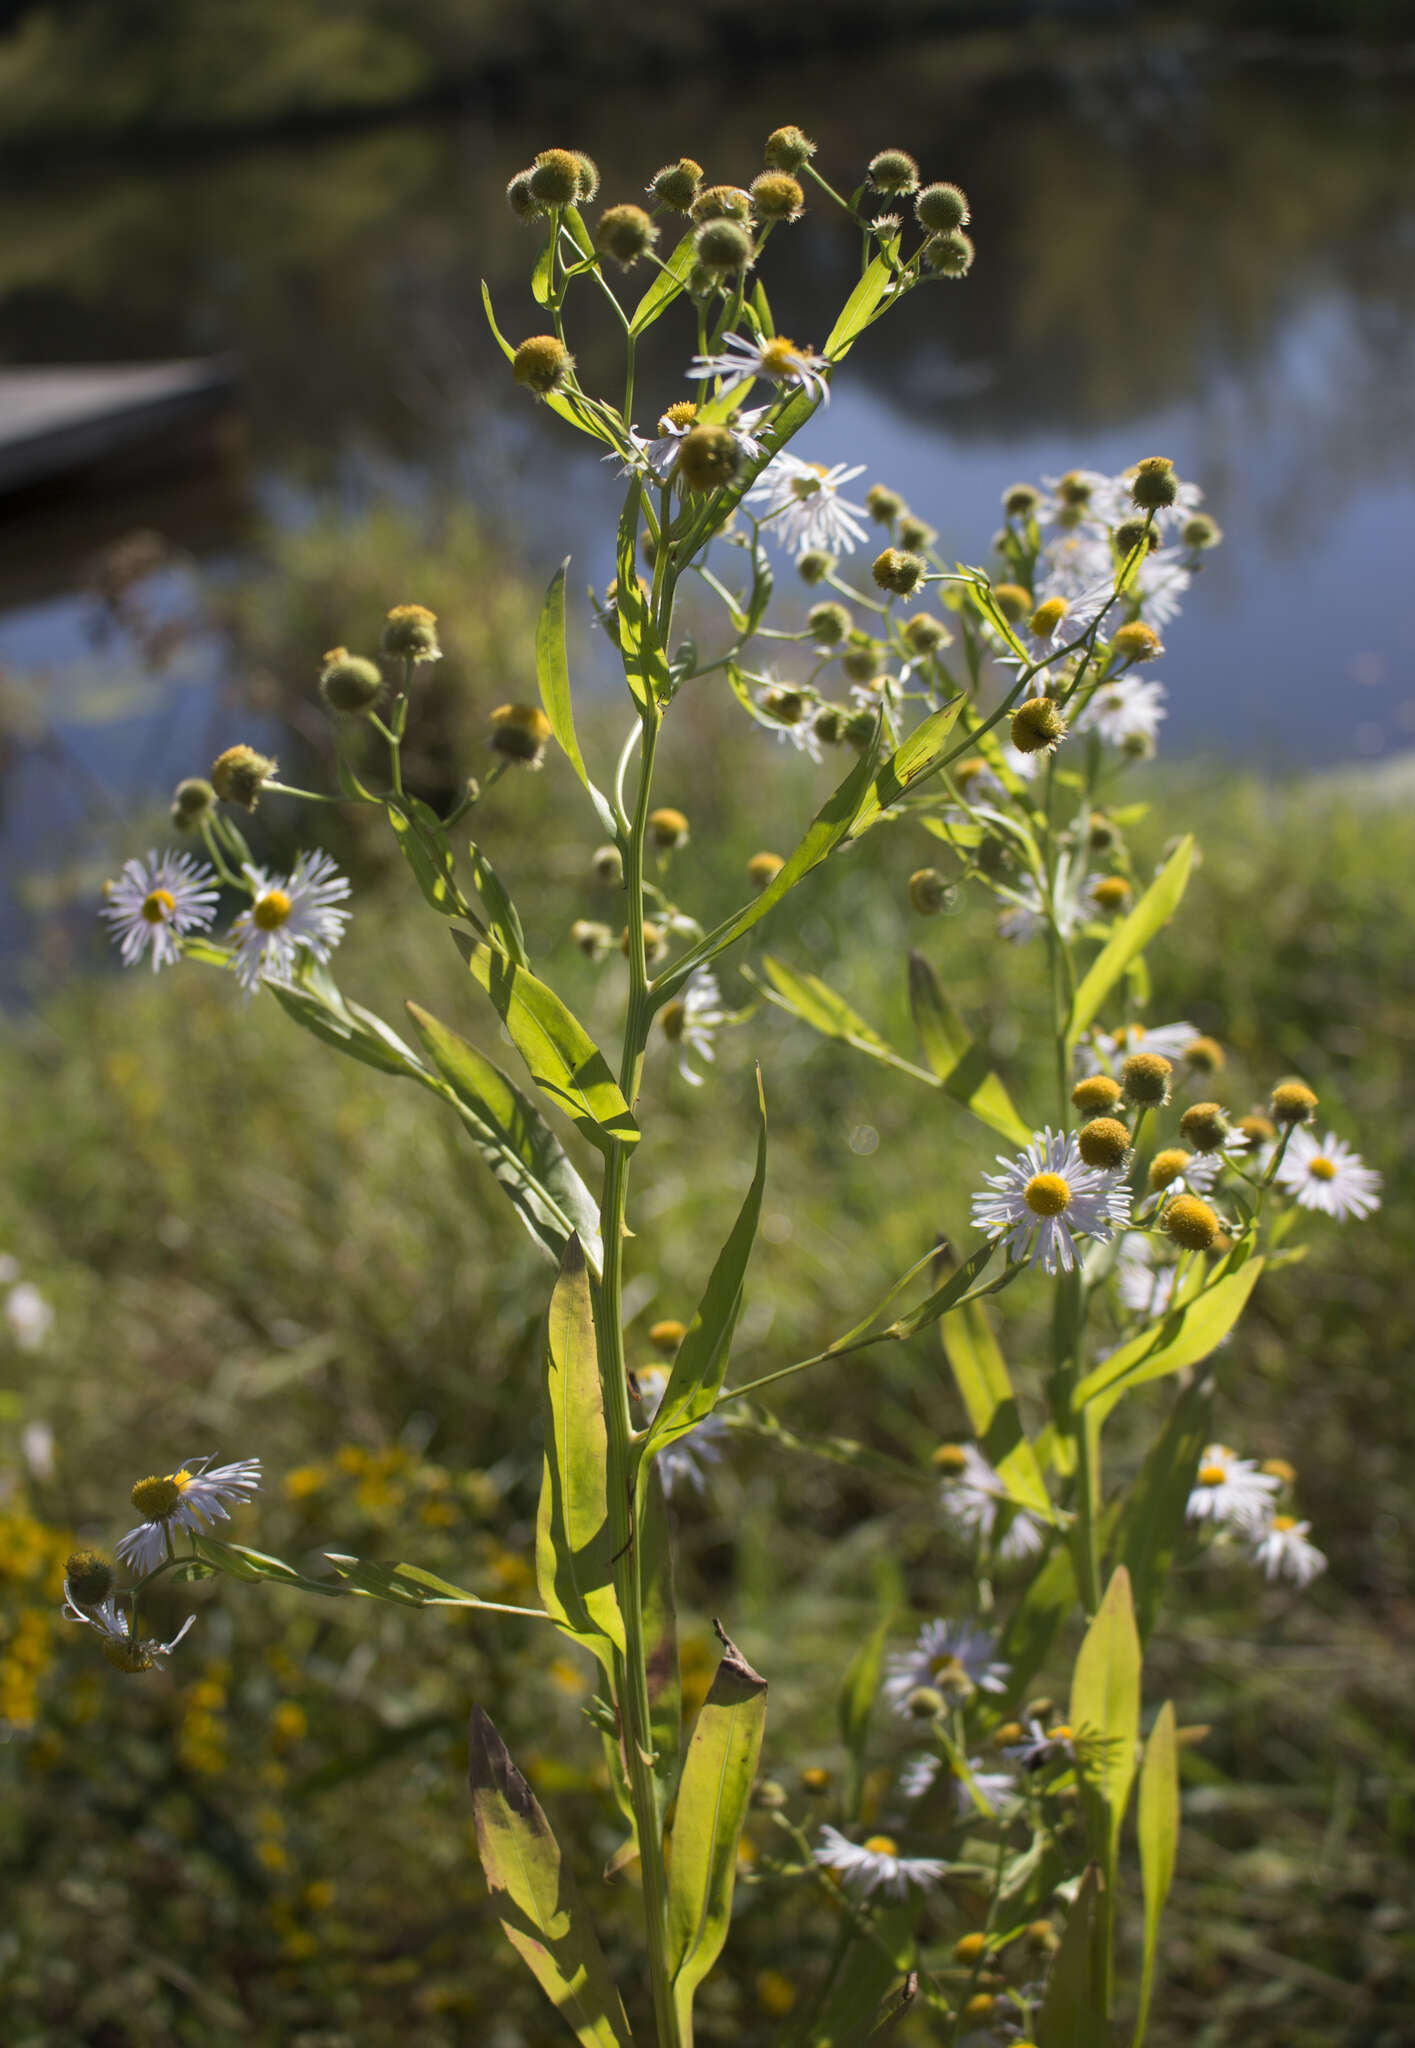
[{"x": 1215, "y": 263}]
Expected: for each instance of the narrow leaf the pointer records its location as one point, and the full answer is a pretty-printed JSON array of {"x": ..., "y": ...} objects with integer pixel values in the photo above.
[
  {"x": 707, "y": 1825},
  {"x": 946, "y": 1296},
  {"x": 1105, "y": 1715},
  {"x": 1159, "y": 1842},
  {"x": 960, "y": 1064},
  {"x": 874, "y": 1968},
  {"x": 859, "y": 309},
  {"x": 660, "y": 1638},
  {"x": 854, "y": 1705},
  {"x": 667, "y": 284},
  {"x": 806, "y": 996},
  {"x": 920, "y": 756},
  {"x": 540, "y": 273},
  {"x": 341, "y": 1030},
  {"x": 553, "y": 676},
  {"x": 574, "y": 1545},
  {"x": 501, "y": 913},
  {"x": 981, "y": 1376},
  {"x": 1186, "y": 1336},
  {"x": 1153, "y": 1512},
  {"x": 405, "y": 1585},
  {"x": 1050, "y": 1600},
  {"x": 534, "y": 1895},
  {"x": 1154, "y": 910},
  {"x": 1069, "y": 2016},
  {"x": 645, "y": 662},
  {"x": 424, "y": 846}
]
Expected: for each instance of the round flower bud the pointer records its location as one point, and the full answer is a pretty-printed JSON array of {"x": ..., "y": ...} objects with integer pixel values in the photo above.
[
  {"x": 978, "y": 2008},
  {"x": 815, "y": 1779},
  {"x": 1145, "y": 1078},
  {"x": 1166, "y": 1167},
  {"x": 410, "y": 631},
  {"x": 775, "y": 196},
  {"x": 542, "y": 364},
  {"x": 1103, "y": 1142},
  {"x": 655, "y": 944},
  {"x": 1096, "y": 1094},
  {"x": 859, "y": 729},
  {"x": 520, "y": 733},
  {"x": 608, "y": 864},
  {"x": 883, "y": 504},
  {"x": 348, "y": 683},
  {"x": 668, "y": 828},
  {"x": 1206, "y": 1127},
  {"x": 521, "y": 198},
  {"x": 898, "y": 572},
  {"x": 1199, "y": 531},
  {"x": 1135, "y": 641},
  {"x": 88, "y": 1578},
  {"x": 769, "y": 1796},
  {"x": 1013, "y": 601},
  {"x": 1278, "y": 1468},
  {"x": 814, "y": 565},
  {"x": 1293, "y": 1103},
  {"x": 948, "y": 255},
  {"x": 829, "y": 624},
  {"x": 1136, "y": 533},
  {"x": 970, "y": 1949},
  {"x": 950, "y": 1460},
  {"x": 192, "y": 800},
  {"x": 1154, "y": 484},
  {"x": 929, "y": 893},
  {"x": 894, "y": 171},
  {"x": 861, "y": 658},
  {"x": 562, "y": 177},
  {"x": 1112, "y": 894},
  {"x": 925, "y": 634},
  {"x": 1037, "y": 725},
  {"x": 828, "y": 724},
  {"x": 1042, "y": 1938},
  {"x": 915, "y": 533},
  {"x": 787, "y": 149},
  {"x": 626, "y": 233},
  {"x": 666, "y": 1336},
  {"x": 787, "y": 707},
  {"x": 722, "y": 202},
  {"x": 1258, "y": 1130},
  {"x": 708, "y": 458},
  {"x": 594, "y": 940},
  {"x": 239, "y": 775},
  {"x": 1020, "y": 501},
  {"x": 941, "y": 209},
  {"x": 763, "y": 869},
  {"x": 1205, "y": 1056},
  {"x": 723, "y": 245},
  {"x": 1009, "y": 1732},
  {"x": 1191, "y": 1223},
  {"x": 676, "y": 185},
  {"x": 1101, "y": 834},
  {"x": 925, "y": 1703}
]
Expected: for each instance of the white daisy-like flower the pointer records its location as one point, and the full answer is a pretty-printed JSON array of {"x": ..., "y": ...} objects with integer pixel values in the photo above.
[
  {"x": 120, "y": 1646},
  {"x": 918, "y": 1775},
  {"x": 1026, "y": 915},
  {"x": 685, "y": 1462},
  {"x": 745, "y": 356},
  {"x": 1329, "y": 1177},
  {"x": 1063, "y": 613},
  {"x": 1105, "y": 1051},
  {"x": 287, "y": 917},
  {"x": 660, "y": 455},
  {"x": 1124, "y": 711},
  {"x": 789, "y": 713},
  {"x": 1047, "y": 1197},
  {"x": 1160, "y": 585},
  {"x": 1143, "y": 1286},
  {"x": 802, "y": 503},
  {"x": 1043, "y": 1746},
  {"x": 972, "y": 1500},
  {"x": 188, "y": 1498},
  {"x": 876, "y": 1865},
  {"x": 690, "y": 1020},
  {"x": 1232, "y": 1492},
  {"x": 155, "y": 901},
  {"x": 943, "y": 1653},
  {"x": 1084, "y": 501},
  {"x": 28, "y": 1316},
  {"x": 1283, "y": 1551}
]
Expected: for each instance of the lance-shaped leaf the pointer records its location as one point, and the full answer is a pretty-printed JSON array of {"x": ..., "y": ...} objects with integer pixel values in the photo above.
[
  {"x": 1036, "y": 1620},
  {"x": 534, "y": 1895},
  {"x": 812, "y": 1000},
  {"x": 860, "y": 308},
  {"x": 1153, "y": 1512},
  {"x": 553, "y": 676},
  {"x": 345, "y": 1031},
  {"x": 1105, "y": 1715},
  {"x": 1154, "y": 909},
  {"x": 516, "y": 1142},
  {"x": 559, "y": 1053},
  {"x": 707, "y": 1825},
  {"x": 424, "y": 844},
  {"x": 1159, "y": 1843},
  {"x": 1070, "y": 2015},
  {"x": 403, "y": 1585},
  {"x": 645, "y": 662},
  {"x": 920, "y": 756},
  {"x": 946, "y": 1296},
  {"x": 665, "y": 1686},
  {"x": 829, "y": 826},
  {"x": 501, "y": 913},
  {"x": 960, "y": 1064},
  {"x": 981, "y": 1376},
  {"x": 698, "y": 1369},
  {"x": 872, "y": 1972},
  {"x": 854, "y": 1704},
  {"x": 1187, "y": 1335},
  {"x": 574, "y": 1543},
  {"x": 668, "y": 283}
]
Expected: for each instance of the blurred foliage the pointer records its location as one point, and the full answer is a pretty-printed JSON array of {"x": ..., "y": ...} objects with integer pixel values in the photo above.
[{"x": 255, "y": 1249}]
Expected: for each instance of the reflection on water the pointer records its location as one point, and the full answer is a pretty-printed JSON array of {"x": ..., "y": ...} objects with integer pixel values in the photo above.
[{"x": 1220, "y": 267}]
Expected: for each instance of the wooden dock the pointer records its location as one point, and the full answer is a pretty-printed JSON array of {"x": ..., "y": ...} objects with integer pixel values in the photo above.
[{"x": 57, "y": 421}]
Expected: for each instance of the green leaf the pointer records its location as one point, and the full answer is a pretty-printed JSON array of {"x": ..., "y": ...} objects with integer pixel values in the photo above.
[
  {"x": 1152, "y": 1516},
  {"x": 559, "y": 1053},
  {"x": 701, "y": 1363},
  {"x": 1069, "y": 2016},
  {"x": 534, "y": 1895},
  {"x": 1187, "y": 1335},
  {"x": 665, "y": 1686},
  {"x": 574, "y": 1544},
  {"x": 874, "y": 1967},
  {"x": 501, "y": 912},
  {"x": 553, "y": 675},
  {"x": 404, "y": 1585},
  {"x": 1159, "y": 1843},
  {"x": 1154, "y": 909},
  {"x": 424, "y": 845},
  {"x": 1036, "y": 1621},
  {"x": 854, "y": 1704},
  {"x": 237, "y": 1561},
  {"x": 346, "y": 1033},
  {"x": 645, "y": 662},
  {"x": 859, "y": 309},
  {"x": 920, "y": 756},
  {"x": 806, "y": 996},
  {"x": 946, "y": 1296},
  {"x": 981, "y": 1376},
  {"x": 959, "y": 1063},
  {"x": 516, "y": 1142},
  {"x": 541, "y": 270},
  {"x": 667, "y": 285},
  {"x": 1105, "y": 1716},
  {"x": 829, "y": 826},
  {"x": 554, "y": 401},
  {"x": 707, "y": 1825}
]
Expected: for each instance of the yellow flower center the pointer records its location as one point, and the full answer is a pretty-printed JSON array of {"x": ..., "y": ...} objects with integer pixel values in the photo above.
[
  {"x": 882, "y": 1845},
  {"x": 1321, "y": 1169},
  {"x": 1212, "y": 1475},
  {"x": 779, "y": 357},
  {"x": 1060, "y": 1733},
  {"x": 271, "y": 910},
  {"x": 1047, "y": 1194},
  {"x": 155, "y": 1498},
  {"x": 158, "y": 907},
  {"x": 1048, "y": 616},
  {"x": 1282, "y": 1523},
  {"x": 681, "y": 413}
]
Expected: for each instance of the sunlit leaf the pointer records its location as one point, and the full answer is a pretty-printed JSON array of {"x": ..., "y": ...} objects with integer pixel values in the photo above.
[
  {"x": 1154, "y": 910},
  {"x": 1070, "y": 2015},
  {"x": 960, "y": 1064},
  {"x": 1152, "y": 1513},
  {"x": 1187, "y": 1335},
  {"x": 911, "y": 763},
  {"x": 981, "y": 1376},
  {"x": 574, "y": 1543},
  {"x": 501, "y": 913},
  {"x": 553, "y": 676},
  {"x": 859, "y": 309},
  {"x": 1105, "y": 1715},
  {"x": 668, "y": 283},
  {"x": 1159, "y": 1843}
]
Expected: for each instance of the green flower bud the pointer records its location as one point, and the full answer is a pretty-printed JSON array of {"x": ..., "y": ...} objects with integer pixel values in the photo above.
[
  {"x": 563, "y": 177},
  {"x": 192, "y": 800},
  {"x": 722, "y": 202},
  {"x": 894, "y": 171},
  {"x": 829, "y": 624},
  {"x": 521, "y": 198},
  {"x": 1037, "y": 725},
  {"x": 948, "y": 255},
  {"x": 1205, "y": 1126},
  {"x": 814, "y": 565},
  {"x": 916, "y": 534},
  {"x": 626, "y": 233},
  {"x": 1020, "y": 501},
  {"x": 941, "y": 209},
  {"x": 1199, "y": 531},
  {"x": 776, "y": 196},
  {"x": 787, "y": 149},
  {"x": 828, "y": 725},
  {"x": 410, "y": 631},
  {"x": 723, "y": 246},
  {"x": 542, "y": 364},
  {"x": 348, "y": 683},
  {"x": 88, "y": 1578},
  {"x": 239, "y": 775},
  {"x": 608, "y": 864},
  {"x": 676, "y": 185},
  {"x": 708, "y": 458},
  {"x": 1136, "y": 533},
  {"x": 883, "y": 504},
  {"x": 1154, "y": 485},
  {"x": 926, "y": 634},
  {"x": 898, "y": 572}
]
